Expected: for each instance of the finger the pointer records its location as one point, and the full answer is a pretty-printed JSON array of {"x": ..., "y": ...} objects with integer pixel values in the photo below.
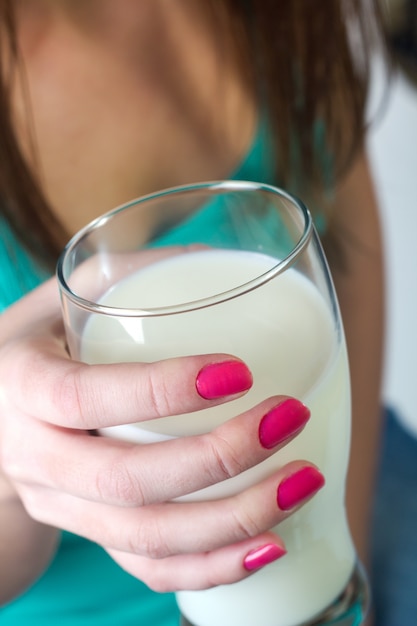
[
  {"x": 77, "y": 395},
  {"x": 203, "y": 570},
  {"x": 162, "y": 530},
  {"x": 124, "y": 474}
]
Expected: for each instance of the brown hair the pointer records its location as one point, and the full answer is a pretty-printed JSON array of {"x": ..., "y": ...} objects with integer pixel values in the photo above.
[
  {"x": 21, "y": 199},
  {"x": 299, "y": 56}
]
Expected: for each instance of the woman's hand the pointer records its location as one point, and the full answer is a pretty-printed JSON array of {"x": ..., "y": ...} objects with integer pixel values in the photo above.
[{"x": 121, "y": 495}]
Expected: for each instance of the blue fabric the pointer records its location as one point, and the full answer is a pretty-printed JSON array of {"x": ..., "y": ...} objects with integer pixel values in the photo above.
[{"x": 394, "y": 530}]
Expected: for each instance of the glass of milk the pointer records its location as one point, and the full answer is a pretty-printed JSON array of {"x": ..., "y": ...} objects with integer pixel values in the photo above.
[{"x": 232, "y": 267}]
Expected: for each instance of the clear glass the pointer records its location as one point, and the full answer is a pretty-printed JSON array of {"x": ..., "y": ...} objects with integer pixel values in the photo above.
[{"x": 232, "y": 267}]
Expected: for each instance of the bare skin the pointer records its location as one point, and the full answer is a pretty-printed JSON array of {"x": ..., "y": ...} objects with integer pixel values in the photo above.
[
  {"x": 146, "y": 119},
  {"x": 119, "y": 109}
]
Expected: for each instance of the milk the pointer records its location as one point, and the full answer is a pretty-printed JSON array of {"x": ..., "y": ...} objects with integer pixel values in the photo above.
[{"x": 286, "y": 334}]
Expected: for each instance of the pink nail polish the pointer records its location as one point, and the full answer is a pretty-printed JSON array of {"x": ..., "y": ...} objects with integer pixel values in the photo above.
[
  {"x": 223, "y": 379},
  {"x": 298, "y": 487},
  {"x": 262, "y": 556},
  {"x": 283, "y": 421}
]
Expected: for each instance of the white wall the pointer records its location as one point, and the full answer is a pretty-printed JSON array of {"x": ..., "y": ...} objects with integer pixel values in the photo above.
[{"x": 393, "y": 153}]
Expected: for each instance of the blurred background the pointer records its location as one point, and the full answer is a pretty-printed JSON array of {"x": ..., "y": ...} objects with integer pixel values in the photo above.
[{"x": 393, "y": 155}]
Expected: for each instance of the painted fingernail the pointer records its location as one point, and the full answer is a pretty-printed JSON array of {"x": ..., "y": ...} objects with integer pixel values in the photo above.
[
  {"x": 262, "y": 556},
  {"x": 223, "y": 379},
  {"x": 283, "y": 421},
  {"x": 298, "y": 487}
]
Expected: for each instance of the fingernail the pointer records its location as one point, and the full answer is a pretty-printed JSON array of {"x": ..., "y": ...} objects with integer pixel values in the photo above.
[
  {"x": 298, "y": 487},
  {"x": 262, "y": 556},
  {"x": 283, "y": 421},
  {"x": 223, "y": 379}
]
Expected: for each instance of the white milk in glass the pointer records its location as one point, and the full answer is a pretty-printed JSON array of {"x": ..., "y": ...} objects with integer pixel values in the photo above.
[{"x": 286, "y": 334}]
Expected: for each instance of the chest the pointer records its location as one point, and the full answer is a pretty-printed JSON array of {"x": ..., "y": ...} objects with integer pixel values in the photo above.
[{"x": 121, "y": 107}]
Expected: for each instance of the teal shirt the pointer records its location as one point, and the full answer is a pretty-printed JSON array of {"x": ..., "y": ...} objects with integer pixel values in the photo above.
[
  {"x": 83, "y": 585},
  {"x": 19, "y": 274}
]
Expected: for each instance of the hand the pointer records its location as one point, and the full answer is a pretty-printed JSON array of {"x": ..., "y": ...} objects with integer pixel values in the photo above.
[{"x": 119, "y": 494}]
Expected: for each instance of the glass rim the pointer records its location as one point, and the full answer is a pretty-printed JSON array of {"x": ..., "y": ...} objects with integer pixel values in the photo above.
[{"x": 201, "y": 303}]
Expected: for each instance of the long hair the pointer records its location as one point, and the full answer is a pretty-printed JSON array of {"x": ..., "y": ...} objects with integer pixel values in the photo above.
[
  {"x": 308, "y": 63},
  {"x": 22, "y": 202}
]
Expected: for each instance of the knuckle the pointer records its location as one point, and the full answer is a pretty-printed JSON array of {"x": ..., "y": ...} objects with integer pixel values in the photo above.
[
  {"x": 116, "y": 483},
  {"x": 68, "y": 393},
  {"x": 148, "y": 540},
  {"x": 157, "y": 394},
  {"x": 76, "y": 399},
  {"x": 227, "y": 462},
  {"x": 245, "y": 524}
]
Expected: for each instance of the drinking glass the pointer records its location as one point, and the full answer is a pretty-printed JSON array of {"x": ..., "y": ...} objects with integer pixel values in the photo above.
[{"x": 232, "y": 267}]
